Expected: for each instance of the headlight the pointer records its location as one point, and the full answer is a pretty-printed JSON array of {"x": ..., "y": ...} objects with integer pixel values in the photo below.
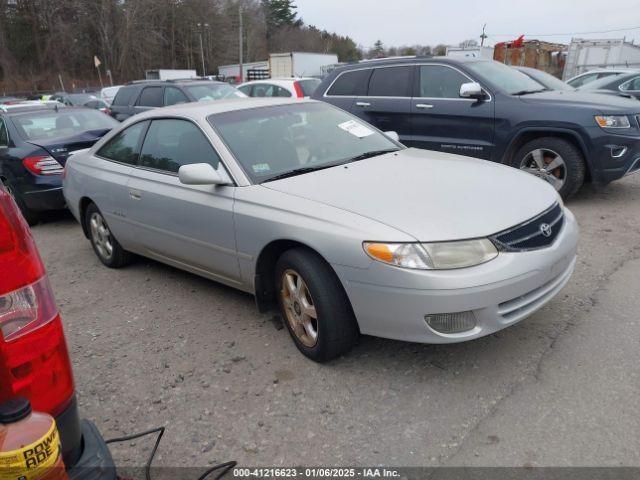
[
  {"x": 613, "y": 121},
  {"x": 433, "y": 256}
]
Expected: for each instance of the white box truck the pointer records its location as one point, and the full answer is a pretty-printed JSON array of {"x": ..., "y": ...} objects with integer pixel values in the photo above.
[
  {"x": 170, "y": 74},
  {"x": 299, "y": 64},
  {"x": 585, "y": 55}
]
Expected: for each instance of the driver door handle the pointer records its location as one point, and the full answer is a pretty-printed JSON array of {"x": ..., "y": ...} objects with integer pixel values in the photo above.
[
  {"x": 424, "y": 106},
  {"x": 135, "y": 194},
  {"x": 363, "y": 104}
]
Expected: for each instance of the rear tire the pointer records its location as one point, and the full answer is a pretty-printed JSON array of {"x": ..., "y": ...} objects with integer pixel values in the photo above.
[
  {"x": 319, "y": 317},
  {"x": 31, "y": 216},
  {"x": 537, "y": 155},
  {"x": 102, "y": 240}
]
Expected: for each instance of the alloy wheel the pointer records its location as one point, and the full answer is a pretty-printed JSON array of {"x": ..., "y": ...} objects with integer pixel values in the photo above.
[
  {"x": 547, "y": 165},
  {"x": 299, "y": 308},
  {"x": 101, "y": 236}
]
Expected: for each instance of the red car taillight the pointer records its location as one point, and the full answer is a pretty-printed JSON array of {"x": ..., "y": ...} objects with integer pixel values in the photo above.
[
  {"x": 34, "y": 361},
  {"x": 298, "y": 89},
  {"x": 43, "y": 165}
]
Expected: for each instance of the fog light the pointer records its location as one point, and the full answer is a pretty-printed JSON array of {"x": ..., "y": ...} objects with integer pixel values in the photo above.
[{"x": 451, "y": 322}]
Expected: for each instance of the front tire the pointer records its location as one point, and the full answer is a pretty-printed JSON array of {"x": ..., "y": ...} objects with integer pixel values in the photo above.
[
  {"x": 314, "y": 306},
  {"x": 102, "y": 240},
  {"x": 554, "y": 160}
]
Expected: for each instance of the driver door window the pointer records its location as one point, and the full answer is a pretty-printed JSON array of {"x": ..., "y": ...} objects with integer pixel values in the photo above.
[
  {"x": 171, "y": 143},
  {"x": 439, "y": 81}
]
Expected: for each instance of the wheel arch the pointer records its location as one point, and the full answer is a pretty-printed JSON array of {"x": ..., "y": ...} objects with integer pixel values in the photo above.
[
  {"x": 264, "y": 287},
  {"x": 525, "y": 135},
  {"x": 82, "y": 208}
]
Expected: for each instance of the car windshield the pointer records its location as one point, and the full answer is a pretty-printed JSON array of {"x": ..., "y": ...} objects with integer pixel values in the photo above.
[
  {"x": 547, "y": 80},
  {"x": 64, "y": 123},
  {"x": 80, "y": 98},
  {"x": 506, "y": 78},
  {"x": 285, "y": 140},
  {"x": 214, "y": 91}
]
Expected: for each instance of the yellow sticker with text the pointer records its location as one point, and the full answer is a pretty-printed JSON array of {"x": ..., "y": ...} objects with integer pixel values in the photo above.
[{"x": 31, "y": 461}]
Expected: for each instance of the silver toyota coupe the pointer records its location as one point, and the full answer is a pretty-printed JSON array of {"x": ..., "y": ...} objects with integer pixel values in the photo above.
[{"x": 337, "y": 224}]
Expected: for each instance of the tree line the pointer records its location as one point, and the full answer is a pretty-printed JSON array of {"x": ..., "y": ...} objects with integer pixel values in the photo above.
[
  {"x": 45, "y": 44},
  {"x": 45, "y": 41}
]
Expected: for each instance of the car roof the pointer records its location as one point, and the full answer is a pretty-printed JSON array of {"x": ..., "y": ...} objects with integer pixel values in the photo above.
[
  {"x": 276, "y": 79},
  {"x": 201, "y": 110},
  {"x": 32, "y": 106},
  {"x": 408, "y": 61},
  {"x": 183, "y": 81}
]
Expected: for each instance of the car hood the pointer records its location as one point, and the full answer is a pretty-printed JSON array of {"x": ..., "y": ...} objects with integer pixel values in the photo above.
[
  {"x": 596, "y": 101},
  {"x": 431, "y": 196}
]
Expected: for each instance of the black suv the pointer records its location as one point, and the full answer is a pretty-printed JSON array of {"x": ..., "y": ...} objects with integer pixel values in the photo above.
[
  {"x": 488, "y": 110},
  {"x": 140, "y": 96}
]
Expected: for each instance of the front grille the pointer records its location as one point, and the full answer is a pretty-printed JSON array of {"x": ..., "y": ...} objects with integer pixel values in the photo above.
[
  {"x": 638, "y": 120},
  {"x": 539, "y": 232}
]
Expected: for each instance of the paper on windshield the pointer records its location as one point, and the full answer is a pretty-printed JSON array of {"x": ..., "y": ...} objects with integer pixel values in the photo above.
[{"x": 356, "y": 129}]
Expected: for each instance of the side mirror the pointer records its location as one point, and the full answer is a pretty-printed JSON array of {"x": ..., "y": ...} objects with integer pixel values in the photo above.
[
  {"x": 393, "y": 136},
  {"x": 200, "y": 174},
  {"x": 471, "y": 90}
]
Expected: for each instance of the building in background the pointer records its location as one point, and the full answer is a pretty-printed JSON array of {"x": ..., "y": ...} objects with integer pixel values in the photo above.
[
  {"x": 584, "y": 55},
  {"x": 470, "y": 52},
  {"x": 545, "y": 56}
]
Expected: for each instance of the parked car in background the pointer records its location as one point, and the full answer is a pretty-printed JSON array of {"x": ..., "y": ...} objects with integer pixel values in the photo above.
[
  {"x": 10, "y": 100},
  {"x": 627, "y": 84},
  {"x": 35, "y": 142},
  {"x": 34, "y": 359},
  {"x": 107, "y": 94},
  {"x": 488, "y": 110},
  {"x": 280, "y": 87},
  {"x": 592, "y": 75},
  {"x": 140, "y": 96},
  {"x": 311, "y": 209},
  {"x": 545, "y": 79}
]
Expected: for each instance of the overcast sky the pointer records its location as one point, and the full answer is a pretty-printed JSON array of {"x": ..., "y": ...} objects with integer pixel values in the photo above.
[{"x": 429, "y": 22}]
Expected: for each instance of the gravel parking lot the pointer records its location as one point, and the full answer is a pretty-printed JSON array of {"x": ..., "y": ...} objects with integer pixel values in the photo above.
[{"x": 152, "y": 346}]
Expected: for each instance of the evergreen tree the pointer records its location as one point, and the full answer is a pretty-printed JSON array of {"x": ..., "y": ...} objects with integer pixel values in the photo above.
[{"x": 278, "y": 14}]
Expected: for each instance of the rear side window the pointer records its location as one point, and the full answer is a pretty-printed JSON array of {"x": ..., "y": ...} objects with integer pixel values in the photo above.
[
  {"x": 171, "y": 143},
  {"x": 151, "y": 97},
  {"x": 632, "y": 85},
  {"x": 351, "y": 84},
  {"x": 123, "y": 147},
  {"x": 4, "y": 137},
  {"x": 173, "y": 96},
  {"x": 308, "y": 87},
  {"x": 438, "y": 81},
  {"x": 125, "y": 96},
  {"x": 391, "y": 82}
]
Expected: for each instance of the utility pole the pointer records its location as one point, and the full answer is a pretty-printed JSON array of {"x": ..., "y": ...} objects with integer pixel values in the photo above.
[
  {"x": 240, "y": 42},
  {"x": 201, "y": 26},
  {"x": 483, "y": 36}
]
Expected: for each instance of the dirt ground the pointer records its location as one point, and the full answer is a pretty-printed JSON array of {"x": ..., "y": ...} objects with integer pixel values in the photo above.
[{"x": 153, "y": 346}]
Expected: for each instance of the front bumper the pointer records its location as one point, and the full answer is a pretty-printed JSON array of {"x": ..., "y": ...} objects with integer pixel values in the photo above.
[
  {"x": 392, "y": 302},
  {"x": 614, "y": 155}
]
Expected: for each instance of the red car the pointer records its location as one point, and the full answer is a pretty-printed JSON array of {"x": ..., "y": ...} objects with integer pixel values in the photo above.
[{"x": 34, "y": 361}]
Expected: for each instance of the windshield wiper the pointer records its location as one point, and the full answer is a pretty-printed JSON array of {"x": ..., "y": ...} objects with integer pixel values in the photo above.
[
  {"x": 298, "y": 171},
  {"x": 527, "y": 92},
  {"x": 372, "y": 153}
]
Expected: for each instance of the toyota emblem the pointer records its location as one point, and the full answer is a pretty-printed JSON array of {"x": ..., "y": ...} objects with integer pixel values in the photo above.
[{"x": 545, "y": 228}]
